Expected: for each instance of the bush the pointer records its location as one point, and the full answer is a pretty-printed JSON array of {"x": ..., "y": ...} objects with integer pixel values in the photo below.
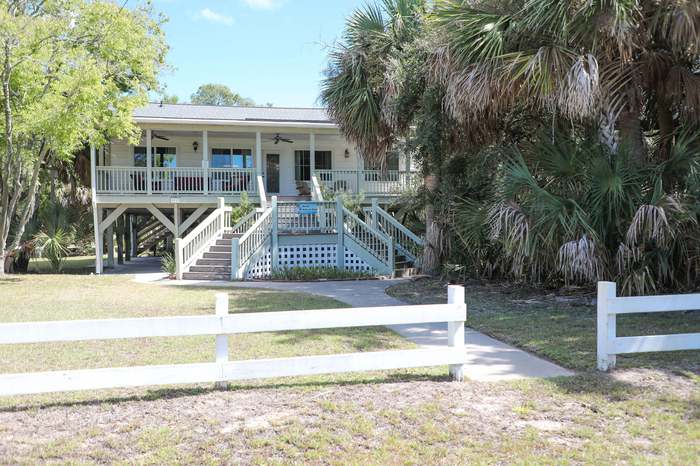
[
  {"x": 316, "y": 273},
  {"x": 241, "y": 210},
  {"x": 168, "y": 265}
]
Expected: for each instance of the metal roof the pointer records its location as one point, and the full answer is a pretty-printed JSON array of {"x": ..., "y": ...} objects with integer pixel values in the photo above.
[{"x": 251, "y": 114}]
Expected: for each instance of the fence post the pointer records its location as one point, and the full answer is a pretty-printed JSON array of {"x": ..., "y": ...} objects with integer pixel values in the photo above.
[
  {"x": 221, "y": 340},
  {"x": 234, "y": 259},
  {"x": 274, "y": 246},
  {"x": 455, "y": 330},
  {"x": 178, "y": 259},
  {"x": 607, "y": 323},
  {"x": 340, "y": 230}
]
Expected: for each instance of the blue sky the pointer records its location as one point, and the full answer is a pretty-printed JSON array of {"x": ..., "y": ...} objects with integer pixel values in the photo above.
[{"x": 268, "y": 50}]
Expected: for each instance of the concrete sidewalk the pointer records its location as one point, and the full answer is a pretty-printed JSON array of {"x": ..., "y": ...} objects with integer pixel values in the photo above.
[{"x": 487, "y": 359}]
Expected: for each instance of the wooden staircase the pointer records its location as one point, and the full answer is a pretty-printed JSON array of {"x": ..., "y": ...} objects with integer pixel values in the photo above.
[{"x": 215, "y": 264}]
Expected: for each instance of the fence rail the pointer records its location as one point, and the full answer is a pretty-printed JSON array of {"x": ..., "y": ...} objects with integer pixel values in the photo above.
[
  {"x": 391, "y": 182},
  {"x": 222, "y": 325},
  {"x": 609, "y": 305}
]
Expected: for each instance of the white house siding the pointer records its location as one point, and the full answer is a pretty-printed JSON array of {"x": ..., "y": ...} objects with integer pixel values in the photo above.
[{"x": 122, "y": 154}]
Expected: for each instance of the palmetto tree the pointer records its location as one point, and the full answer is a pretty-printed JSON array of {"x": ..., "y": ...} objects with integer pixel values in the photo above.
[
  {"x": 629, "y": 66},
  {"x": 374, "y": 88}
]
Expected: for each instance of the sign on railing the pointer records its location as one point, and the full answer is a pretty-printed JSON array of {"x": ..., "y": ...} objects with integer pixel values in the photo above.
[
  {"x": 223, "y": 324},
  {"x": 609, "y": 306}
]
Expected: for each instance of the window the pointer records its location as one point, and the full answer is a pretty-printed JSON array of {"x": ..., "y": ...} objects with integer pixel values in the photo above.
[
  {"x": 392, "y": 162},
  {"x": 162, "y": 157},
  {"x": 302, "y": 163},
  {"x": 231, "y": 158}
]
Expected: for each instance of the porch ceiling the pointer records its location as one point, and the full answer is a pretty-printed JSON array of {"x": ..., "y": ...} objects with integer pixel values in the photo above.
[{"x": 267, "y": 136}]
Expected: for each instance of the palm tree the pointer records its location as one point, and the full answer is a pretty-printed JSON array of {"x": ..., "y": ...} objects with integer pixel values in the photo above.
[
  {"x": 630, "y": 67},
  {"x": 374, "y": 88}
]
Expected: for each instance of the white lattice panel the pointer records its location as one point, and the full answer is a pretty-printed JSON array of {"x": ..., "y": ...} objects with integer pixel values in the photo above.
[
  {"x": 354, "y": 263},
  {"x": 263, "y": 267},
  {"x": 307, "y": 255}
]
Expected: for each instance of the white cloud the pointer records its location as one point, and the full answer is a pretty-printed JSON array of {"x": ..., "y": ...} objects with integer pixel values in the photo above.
[
  {"x": 214, "y": 17},
  {"x": 263, "y": 4}
]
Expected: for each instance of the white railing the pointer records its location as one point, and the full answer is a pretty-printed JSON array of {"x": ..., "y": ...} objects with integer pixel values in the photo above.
[
  {"x": 373, "y": 241},
  {"x": 232, "y": 180},
  {"x": 262, "y": 193},
  {"x": 405, "y": 241},
  {"x": 121, "y": 180},
  {"x": 306, "y": 217},
  {"x": 316, "y": 193},
  {"x": 609, "y": 306},
  {"x": 392, "y": 182},
  {"x": 191, "y": 247},
  {"x": 245, "y": 249},
  {"x": 223, "y": 324},
  {"x": 245, "y": 223},
  {"x": 134, "y": 180}
]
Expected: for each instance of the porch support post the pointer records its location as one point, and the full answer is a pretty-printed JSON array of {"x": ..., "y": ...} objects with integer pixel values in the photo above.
[
  {"x": 176, "y": 220},
  {"x": 274, "y": 248},
  {"x": 258, "y": 154},
  {"x": 97, "y": 217},
  {"x": 132, "y": 232},
  {"x": 360, "y": 167},
  {"x": 149, "y": 163},
  {"x": 110, "y": 246},
  {"x": 205, "y": 160},
  {"x": 340, "y": 229},
  {"x": 312, "y": 152}
]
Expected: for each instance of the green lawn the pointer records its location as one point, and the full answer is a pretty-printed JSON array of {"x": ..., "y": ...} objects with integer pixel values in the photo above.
[
  {"x": 560, "y": 328},
  {"x": 71, "y": 265}
]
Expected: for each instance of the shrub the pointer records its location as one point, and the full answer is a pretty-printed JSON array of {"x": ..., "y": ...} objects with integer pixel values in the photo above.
[
  {"x": 168, "y": 265},
  {"x": 241, "y": 210},
  {"x": 316, "y": 273}
]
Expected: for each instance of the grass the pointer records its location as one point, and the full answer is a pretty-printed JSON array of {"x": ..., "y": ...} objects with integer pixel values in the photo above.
[
  {"x": 638, "y": 416},
  {"x": 559, "y": 328},
  {"x": 71, "y": 265},
  {"x": 65, "y": 297}
]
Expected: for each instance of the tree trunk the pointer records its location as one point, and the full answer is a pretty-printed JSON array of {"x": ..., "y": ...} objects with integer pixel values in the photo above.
[
  {"x": 665, "y": 120},
  {"x": 430, "y": 264}
]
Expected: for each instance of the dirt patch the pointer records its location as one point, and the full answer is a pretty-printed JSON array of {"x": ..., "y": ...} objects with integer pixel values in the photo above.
[{"x": 417, "y": 421}]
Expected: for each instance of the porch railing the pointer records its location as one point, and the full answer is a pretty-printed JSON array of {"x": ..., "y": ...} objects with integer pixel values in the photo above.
[
  {"x": 392, "y": 182},
  {"x": 405, "y": 241},
  {"x": 245, "y": 249},
  {"x": 191, "y": 247},
  {"x": 185, "y": 180},
  {"x": 377, "y": 244},
  {"x": 306, "y": 217}
]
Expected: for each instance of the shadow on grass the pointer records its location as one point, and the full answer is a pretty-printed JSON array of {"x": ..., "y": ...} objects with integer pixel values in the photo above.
[{"x": 160, "y": 394}]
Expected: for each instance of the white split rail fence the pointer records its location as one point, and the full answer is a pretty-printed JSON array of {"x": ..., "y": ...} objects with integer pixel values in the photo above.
[
  {"x": 223, "y": 324},
  {"x": 609, "y": 306}
]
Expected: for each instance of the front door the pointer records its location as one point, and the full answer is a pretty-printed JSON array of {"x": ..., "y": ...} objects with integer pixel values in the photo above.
[{"x": 272, "y": 171}]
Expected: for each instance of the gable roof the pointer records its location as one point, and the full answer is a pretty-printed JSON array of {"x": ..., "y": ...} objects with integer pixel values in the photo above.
[{"x": 233, "y": 114}]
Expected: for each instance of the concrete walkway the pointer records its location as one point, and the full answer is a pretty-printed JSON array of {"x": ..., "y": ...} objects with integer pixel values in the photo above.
[{"x": 487, "y": 359}]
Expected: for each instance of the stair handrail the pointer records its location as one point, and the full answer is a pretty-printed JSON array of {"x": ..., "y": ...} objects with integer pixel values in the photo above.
[
  {"x": 316, "y": 193},
  {"x": 261, "y": 192},
  {"x": 408, "y": 242},
  {"x": 244, "y": 248},
  {"x": 192, "y": 246},
  {"x": 244, "y": 224},
  {"x": 372, "y": 240}
]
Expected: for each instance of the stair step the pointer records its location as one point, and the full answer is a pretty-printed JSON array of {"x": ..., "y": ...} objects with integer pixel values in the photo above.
[
  {"x": 216, "y": 269},
  {"x": 407, "y": 272},
  {"x": 230, "y": 236},
  {"x": 220, "y": 249},
  {"x": 220, "y": 262},
  {"x": 218, "y": 255},
  {"x": 205, "y": 276},
  {"x": 223, "y": 242}
]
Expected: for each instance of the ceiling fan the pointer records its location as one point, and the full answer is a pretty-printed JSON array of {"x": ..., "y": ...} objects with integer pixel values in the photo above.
[
  {"x": 158, "y": 136},
  {"x": 279, "y": 138}
]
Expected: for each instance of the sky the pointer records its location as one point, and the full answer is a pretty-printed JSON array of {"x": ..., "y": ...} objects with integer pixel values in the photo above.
[{"x": 272, "y": 51}]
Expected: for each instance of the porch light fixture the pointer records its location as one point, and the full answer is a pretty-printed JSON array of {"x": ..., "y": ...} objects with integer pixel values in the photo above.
[
  {"x": 195, "y": 146},
  {"x": 347, "y": 153}
]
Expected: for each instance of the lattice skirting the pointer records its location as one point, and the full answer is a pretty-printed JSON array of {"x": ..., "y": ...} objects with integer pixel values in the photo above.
[{"x": 306, "y": 255}]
